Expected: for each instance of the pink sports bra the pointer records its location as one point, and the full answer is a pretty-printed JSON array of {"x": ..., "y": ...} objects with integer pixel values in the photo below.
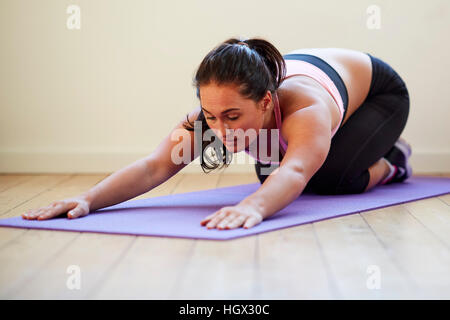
[{"x": 298, "y": 67}]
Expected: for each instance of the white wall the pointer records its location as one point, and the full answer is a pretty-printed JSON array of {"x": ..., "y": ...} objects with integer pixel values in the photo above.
[{"x": 99, "y": 98}]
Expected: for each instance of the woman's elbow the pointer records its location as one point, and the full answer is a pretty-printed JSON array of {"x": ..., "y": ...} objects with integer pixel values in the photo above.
[{"x": 305, "y": 169}]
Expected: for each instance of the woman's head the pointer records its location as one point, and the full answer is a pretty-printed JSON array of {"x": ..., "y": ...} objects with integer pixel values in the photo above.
[
  {"x": 227, "y": 111},
  {"x": 241, "y": 75}
]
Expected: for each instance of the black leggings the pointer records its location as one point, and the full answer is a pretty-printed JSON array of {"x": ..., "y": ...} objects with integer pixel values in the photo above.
[{"x": 369, "y": 134}]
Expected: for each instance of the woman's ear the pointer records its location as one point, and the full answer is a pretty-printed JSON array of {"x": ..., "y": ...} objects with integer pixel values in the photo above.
[{"x": 267, "y": 101}]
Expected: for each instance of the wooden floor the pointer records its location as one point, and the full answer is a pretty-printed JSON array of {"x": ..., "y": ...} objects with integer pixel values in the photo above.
[{"x": 405, "y": 247}]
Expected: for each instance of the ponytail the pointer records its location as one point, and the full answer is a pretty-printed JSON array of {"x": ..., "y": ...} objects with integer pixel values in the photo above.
[{"x": 270, "y": 55}]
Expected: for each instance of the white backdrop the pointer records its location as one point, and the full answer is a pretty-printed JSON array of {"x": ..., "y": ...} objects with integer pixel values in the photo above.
[{"x": 97, "y": 98}]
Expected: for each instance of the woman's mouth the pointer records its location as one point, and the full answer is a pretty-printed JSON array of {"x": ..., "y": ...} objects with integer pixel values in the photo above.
[{"x": 230, "y": 142}]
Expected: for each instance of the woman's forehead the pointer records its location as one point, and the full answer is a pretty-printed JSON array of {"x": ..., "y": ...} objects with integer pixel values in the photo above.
[
  {"x": 221, "y": 95},
  {"x": 215, "y": 87}
]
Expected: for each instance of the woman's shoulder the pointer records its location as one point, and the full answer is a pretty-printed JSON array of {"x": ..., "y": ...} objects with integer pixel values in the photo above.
[
  {"x": 348, "y": 63},
  {"x": 354, "y": 67},
  {"x": 303, "y": 92},
  {"x": 328, "y": 53},
  {"x": 299, "y": 92}
]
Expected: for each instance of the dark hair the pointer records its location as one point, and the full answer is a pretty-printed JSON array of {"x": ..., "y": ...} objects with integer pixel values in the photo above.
[{"x": 255, "y": 65}]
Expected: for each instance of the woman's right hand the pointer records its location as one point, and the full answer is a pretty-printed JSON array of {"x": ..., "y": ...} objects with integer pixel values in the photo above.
[{"x": 74, "y": 207}]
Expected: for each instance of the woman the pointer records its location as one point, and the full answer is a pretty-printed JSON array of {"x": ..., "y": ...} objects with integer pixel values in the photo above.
[{"x": 339, "y": 114}]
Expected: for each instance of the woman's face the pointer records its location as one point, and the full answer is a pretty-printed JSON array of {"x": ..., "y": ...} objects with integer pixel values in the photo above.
[{"x": 224, "y": 108}]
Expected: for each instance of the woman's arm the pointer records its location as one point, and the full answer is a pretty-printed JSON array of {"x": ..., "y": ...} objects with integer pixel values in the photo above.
[
  {"x": 308, "y": 133},
  {"x": 135, "y": 179},
  {"x": 147, "y": 173}
]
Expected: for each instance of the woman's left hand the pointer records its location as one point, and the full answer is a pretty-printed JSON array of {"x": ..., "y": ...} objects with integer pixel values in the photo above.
[{"x": 233, "y": 217}]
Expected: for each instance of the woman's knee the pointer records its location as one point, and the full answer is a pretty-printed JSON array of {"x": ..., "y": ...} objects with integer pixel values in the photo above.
[
  {"x": 402, "y": 101},
  {"x": 354, "y": 185}
]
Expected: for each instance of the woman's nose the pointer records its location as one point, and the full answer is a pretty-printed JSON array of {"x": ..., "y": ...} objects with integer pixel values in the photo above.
[{"x": 223, "y": 132}]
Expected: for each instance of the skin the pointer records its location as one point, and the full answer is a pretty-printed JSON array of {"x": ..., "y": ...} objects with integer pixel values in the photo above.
[
  {"x": 246, "y": 114},
  {"x": 308, "y": 116},
  {"x": 75, "y": 207},
  {"x": 224, "y": 108},
  {"x": 308, "y": 131}
]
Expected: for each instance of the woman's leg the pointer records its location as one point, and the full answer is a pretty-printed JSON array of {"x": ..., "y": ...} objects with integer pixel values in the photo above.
[
  {"x": 377, "y": 173},
  {"x": 353, "y": 163},
  {"x": 326, "y": 180},
  {"x": 365, "y": 138}
]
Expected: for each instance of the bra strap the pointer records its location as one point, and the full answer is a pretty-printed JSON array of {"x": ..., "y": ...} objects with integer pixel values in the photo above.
[{"x": 278, "y": 121}]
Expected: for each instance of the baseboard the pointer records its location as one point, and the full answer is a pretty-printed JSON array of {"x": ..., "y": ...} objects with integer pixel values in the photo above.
[{"x": 42, "y": 162}]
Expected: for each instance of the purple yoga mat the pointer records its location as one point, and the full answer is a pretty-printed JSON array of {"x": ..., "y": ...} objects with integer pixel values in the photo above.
[{"x": 179, "y": 215}]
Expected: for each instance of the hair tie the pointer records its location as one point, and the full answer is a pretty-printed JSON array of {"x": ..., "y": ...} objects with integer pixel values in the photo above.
[{"x": 244, "y": 43}]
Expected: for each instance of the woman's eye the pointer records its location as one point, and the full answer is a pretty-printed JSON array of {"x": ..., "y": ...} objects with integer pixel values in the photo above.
[{"x": 229, "y": 118}]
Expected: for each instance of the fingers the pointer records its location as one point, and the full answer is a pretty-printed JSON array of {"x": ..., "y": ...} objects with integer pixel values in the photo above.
[
  {"x": 251, "y": 221},
  {"x": 225, "y": 221},
  {"x": 237, "y": 222},
  {"x": 229, "y": 220},
  {"x": 50, "y": 211},
  {"x": 79, "y": 211},
  {"x": 35, "y": 213},
  {"x": 204, "y": 221},
  {"x": 53, "y": 211},
  {"x": 32, "y": 214},
  {"x": 215, "y": 220}
]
